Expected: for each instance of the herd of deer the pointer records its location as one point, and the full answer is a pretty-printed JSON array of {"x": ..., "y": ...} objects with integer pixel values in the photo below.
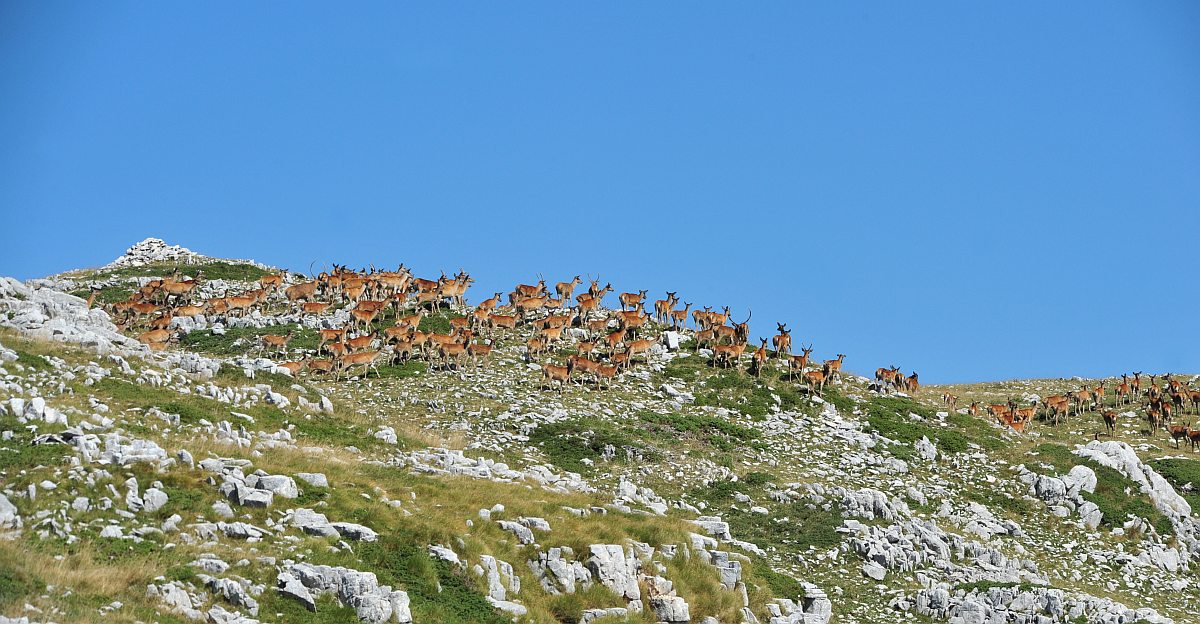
[
  {"x": 386, "y": 309},
  {"x": 607, "y": 342},
  {"x": 1161, "y": 403}
]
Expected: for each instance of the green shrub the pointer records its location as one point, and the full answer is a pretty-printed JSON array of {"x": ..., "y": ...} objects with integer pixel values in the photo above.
[{"x": 567, "y": 443}]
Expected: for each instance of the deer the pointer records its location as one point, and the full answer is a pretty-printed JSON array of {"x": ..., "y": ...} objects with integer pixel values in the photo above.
[
  {"x": 364, "y": 318},
  {"x": 759, "y": 358},
  {"x": 502, "y": 320},
  {"x": 489, "y": 304},
  {"x": 329, "y": 335},
  {"x": 276, "y": 342},
  {"x": 366, "y": 359},
  {"x": 566, "y": 290},
  {"x": 1154, "y": 418},
  {"x": 782, "y": 341},
  {"x": 531, "y": 291},
  {"x": 586, "y": 348},
  {"x": 535, "y": 346},
  {"x": 1098, "y": 395},
  {"x": 360, "y": 343},
  {"x": 1080, "y": 399},
  {"x": 293, "y": 368},
  {"x": 816, "y": 380},
  {"x": 1136, "y": 384},
  {"x": 1194, "y": 438},
  {"x": 834, "y": 367},
  {"x": 452, "y": 350},
  {"x": 912, "y": 384},
  {"x": 1123, "y": 390},
  {"x": 479, "y": 353},
  {"x": 606, "y": 373},
  {"x": 586, "y": 305},
  {"x": 156, "y": 339},
  {"x": 314, "y": 307},
  {"x": 727, "y": 355},
  {"x": 950, "y": 401},
  {"x": 581, "y": 364},
  {"x": 552, "y": 374},
  {"x": 639, "y": 347},
  {"x": 530, "y": 304},
  {"x": 887, "y": 376},
  {"x": 797, "y": 363},
  {"x": 679, "y": 317},
  {"x": 595, "y": 292},
  {"x": 1110, "y": 421},
  {"x": 1056, "y": 405},
  {"x": 301, "y": 292},
  {"x": 664, "y": 307},
  {"x": 273, "y": 282},
  {"x": 632, "y": 300},
  {"x": 1179, "y": 432},
  {"x": 613, "y": 339}
]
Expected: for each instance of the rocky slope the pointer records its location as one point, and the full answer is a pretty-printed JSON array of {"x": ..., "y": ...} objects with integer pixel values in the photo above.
[{"x": 205, "y": 483}]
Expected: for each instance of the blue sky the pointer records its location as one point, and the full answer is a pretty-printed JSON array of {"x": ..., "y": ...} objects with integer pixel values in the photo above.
[{"x": 972, "y": 190}]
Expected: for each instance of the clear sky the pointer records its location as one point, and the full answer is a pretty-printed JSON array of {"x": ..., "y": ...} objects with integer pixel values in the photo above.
[{"x": 975, "y": 190}]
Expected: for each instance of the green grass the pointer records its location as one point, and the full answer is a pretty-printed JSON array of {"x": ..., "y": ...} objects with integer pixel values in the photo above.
[
  {"x": 712, "y": 430},
  {"x": 18, "y": 454},
  {"x": 437, "y": 323},
  {"x": 844, "y": 405},
  {"x": 16, "y": 583},
  {"x": 740, "y": 392},
  {"x": 982, "y": 586},
  {"x": 240, "y": 340},
  {"x": 890, "y": 417},
  {"x": 107, "y": 295},
  {"x": 567, "y": 443},
  {"x": 232, "y": 271},
  {"x": 1110, "y": 495},
  {"x": 438, "y": 592},
  {"x": 807, "y": 525}
]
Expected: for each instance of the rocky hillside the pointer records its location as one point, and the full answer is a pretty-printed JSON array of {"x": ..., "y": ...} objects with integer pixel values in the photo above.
[{"x": 219, "y": 477}]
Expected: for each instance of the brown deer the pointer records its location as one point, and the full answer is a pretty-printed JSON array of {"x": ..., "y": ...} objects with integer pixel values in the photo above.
[
  {"x": 679, "y": 317},
  {"x": 632, "y": 300},
  {"x": 797, "y": 363},
  {"x": 782, "y": 341},
  {"x": 552, "y": 374},
  {"x": 1179, "y": 432},
  {"x": 834, "y": 367},
  {"x": 664, "y": 307},
  {"x": 565, "y": 290},
  {"x": 1110, "y": 421}
]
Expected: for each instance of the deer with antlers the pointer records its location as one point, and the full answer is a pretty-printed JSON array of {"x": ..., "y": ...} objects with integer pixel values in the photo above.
[
  {"x": 797, "y": 363},
  {"x": 887, "y": 377},
  {"x": 526, "y": 291}
]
